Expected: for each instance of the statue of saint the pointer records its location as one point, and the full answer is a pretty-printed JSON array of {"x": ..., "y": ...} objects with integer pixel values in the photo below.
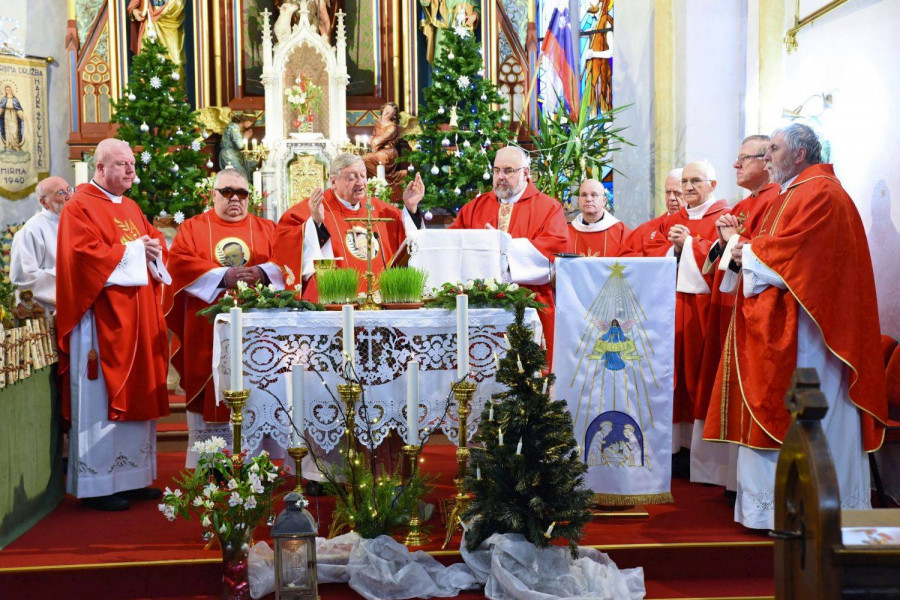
[
  {"x": 166, "y": 18},
  {"x": 234, "y": 139},
  {"x": 386, "y": 145}
]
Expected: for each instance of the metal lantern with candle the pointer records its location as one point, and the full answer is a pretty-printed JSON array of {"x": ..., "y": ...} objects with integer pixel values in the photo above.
[{"x": 294, "y": 534}]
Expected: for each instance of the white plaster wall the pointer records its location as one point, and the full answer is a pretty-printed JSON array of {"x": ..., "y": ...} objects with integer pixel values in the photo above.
[
  {"x": 852, "y": 53},
  {"x": 633, "y": 84},
  {"x": 43, "y": 26}
]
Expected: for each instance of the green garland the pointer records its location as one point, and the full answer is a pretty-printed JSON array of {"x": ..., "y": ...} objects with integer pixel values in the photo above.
[
  {"x": 261, "y": 296},
  {"x": 483, "y": 293}
]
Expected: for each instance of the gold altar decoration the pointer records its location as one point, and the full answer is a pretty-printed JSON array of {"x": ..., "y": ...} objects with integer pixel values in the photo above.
[
  {"x": 369, "y": 221},
  {"x": 237, "y": 400},
  {"x": 415, "y": 537},
  {"x": 298, "y": 453},
  {"x": 454, "y": 507},
  {"x": 305, "y": 174}
]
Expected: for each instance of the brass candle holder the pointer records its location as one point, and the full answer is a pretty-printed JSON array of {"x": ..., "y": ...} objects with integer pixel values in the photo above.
[
  {"x": 237, "y": 400},
  {"x": 456, "y": 506},
  {"x": 415, "y": 537},
  {"x": 349, "y": 393},
  {"x": 298, "y": 453}
]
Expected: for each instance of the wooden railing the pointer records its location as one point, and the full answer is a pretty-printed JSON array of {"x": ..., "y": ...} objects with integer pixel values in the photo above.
[{"x": 26, "y": 349}]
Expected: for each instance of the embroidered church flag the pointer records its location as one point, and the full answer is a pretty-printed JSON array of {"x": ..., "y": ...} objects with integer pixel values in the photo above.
[{"x": 613, "y": 358}]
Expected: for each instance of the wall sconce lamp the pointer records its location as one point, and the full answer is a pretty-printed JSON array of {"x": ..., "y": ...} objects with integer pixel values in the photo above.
[{"x": 796, "y": 113}]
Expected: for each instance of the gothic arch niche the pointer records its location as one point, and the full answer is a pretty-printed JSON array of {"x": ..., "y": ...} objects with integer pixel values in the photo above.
[
  {"x": 512, "y": 85},
  {"x": 308, "y": 62},
  {"x": 95, "y": 98}
]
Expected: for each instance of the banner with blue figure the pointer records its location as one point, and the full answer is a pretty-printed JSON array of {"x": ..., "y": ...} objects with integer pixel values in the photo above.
[{"x": 613, "y": 358}]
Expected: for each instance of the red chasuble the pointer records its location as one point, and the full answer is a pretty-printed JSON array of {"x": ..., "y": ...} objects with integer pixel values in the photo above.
[
  {"x": 536, "y": 217},
  {"x": 609, "y": 242},
  {"x": 203, "y": 243},
  {"x": 690, "y": 309},
  {"x": 642, "y": 235},
  {"x": 813, "y": 238},
  {"x": 750, "y": 211},
  {"x": 348, "y": 240},
  {"x": 130, "y": 329}
]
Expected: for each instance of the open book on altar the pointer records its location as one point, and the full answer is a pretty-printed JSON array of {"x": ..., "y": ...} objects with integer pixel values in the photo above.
[{"x": 454, "y": 255}]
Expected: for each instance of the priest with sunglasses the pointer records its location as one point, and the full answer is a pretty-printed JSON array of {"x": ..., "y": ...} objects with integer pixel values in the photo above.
[{"x": 211, "y": 253}]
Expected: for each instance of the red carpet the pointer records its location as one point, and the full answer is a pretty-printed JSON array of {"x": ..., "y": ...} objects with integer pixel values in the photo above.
[{"x": 691, "y": 548}]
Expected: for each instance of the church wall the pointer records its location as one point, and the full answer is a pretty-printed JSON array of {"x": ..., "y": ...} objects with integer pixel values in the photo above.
[
  {"x": 850, "y": 54},
  {"x": 43, "y": 29}
]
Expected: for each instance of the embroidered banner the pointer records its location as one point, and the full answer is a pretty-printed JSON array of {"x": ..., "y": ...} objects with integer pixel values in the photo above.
[
  {"x": 24, "y": 141},
  {"x": 613, "y": 357}
]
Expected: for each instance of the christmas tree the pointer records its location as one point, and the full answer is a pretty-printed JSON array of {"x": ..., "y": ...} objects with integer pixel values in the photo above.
[
  {"x": 460, "y": 126},
  {"x": 155, "y": 118},
  {"x": 528, "y": 475}
]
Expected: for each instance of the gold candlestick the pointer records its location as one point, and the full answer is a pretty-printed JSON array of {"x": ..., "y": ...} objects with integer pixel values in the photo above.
[
  {"x": 298, "y": 454},
  {"x": 349, "y": 393},
  {"x": 415, "y": 537},
  {"x": 237, "y": 400},
  {"x": 456, "y": 506}
]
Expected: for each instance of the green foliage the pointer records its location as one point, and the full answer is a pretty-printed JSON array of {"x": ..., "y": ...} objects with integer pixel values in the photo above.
[
  {"x": 374, "y": 504},
  {"x": 463, "y": 164},
  {"x": 483, "y": 293},
  {"x": 338, "y": 286},
  {"x": 402, "y": 284},
  {"x": 167, "y": 155},
  {"x": 526, "y": 493},
  {"x": 7, "y": 288},
  {"x": 259, "y": 296},
  {"x": 570, "y": 151}
]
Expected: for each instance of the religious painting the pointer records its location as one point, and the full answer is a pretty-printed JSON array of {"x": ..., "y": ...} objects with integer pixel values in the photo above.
[
  {"x": 614, "y": 362},
  {"x": 24, "y": 142},
  {"x": 252, "y": 46},
  {"x": 232, "y": 252}
]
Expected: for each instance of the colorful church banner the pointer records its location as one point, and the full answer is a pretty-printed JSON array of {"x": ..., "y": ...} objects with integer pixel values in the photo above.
[
  {"x": 24, "y": 135},
  {"x": 613, "y": 358}
]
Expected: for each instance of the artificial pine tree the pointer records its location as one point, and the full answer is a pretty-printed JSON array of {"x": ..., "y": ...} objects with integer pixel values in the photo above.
[
  {"x": 155, "y": 118},
  {"x": 460, "y": 126},
  {"x": 538, "y": 493}
]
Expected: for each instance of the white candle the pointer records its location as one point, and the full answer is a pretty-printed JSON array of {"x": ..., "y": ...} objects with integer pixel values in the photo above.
[
  {"x": 491, "y": 413},
  {"x": 289, "y": 401},
  {"x": 379, "y": 172},
  {"x": 462, "y": 336},
  {"x": 412, "y": 403},
  {"x": 237, "y": 364},
  {"x": 254, "y": 143},
  {"x": 544, "y": 387},
  {"x": 257, "y": 181},
  {"x": 347, "y": 322},
  {"x": 478, "y": 473},
  {"x": 496, "y": 361},
  {"x": 500, "y": 435},
  {"x": 506, "y": 342},
  {"x": 81, "y": 172},
  {"x": 519, "y": 447},
  {"x": 298, "y": 407},
  {"x": 519, "y": 364}
]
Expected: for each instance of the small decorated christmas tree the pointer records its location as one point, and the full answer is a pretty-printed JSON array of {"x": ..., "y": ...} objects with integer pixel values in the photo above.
[
  {"x": 155, "y": 118},
  {"x": 528, "y": 476},
  {"x": 461, "y": 128}
]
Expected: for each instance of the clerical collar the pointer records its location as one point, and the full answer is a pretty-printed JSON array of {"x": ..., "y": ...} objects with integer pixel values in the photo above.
[
  {"x": 696, "y": 213},
  {"x": 113, "y": 198},
  {"x": 513, "y": 199},
  {"x": 49, "y": 214},
  {"x": 788, "y": 183},
  {"x": 347, "y": 205},
  {"x": 605, "y": 221}
]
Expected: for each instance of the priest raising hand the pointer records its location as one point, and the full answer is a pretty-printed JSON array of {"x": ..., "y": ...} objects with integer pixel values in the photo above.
[
  {"x": 413, "y": 194},
  {"x": 316, "y": 206}
]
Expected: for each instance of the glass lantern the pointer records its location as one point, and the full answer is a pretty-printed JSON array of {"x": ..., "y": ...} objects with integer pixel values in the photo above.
[{"x": 294, "y": 533}]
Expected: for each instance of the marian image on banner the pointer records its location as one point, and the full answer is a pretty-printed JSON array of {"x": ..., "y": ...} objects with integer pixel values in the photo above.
[
  {"x": 24, "y": 141},
  {"x": 613, "y": 358}
]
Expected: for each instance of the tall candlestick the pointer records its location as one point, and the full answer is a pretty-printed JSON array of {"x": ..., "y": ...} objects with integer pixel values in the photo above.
[
  {"x": 462, "y": 336},
  {"x": 412, "y": 403},
  {"x": 298, "y": 394},
  {"x": 237, "y": 344},
  {"x": 347, "y": 321}
]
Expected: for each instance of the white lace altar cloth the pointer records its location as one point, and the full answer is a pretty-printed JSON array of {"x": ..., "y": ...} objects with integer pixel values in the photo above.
[{"x": 274, "y": 341}]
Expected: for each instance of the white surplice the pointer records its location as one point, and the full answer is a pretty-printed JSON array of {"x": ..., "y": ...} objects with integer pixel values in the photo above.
[{"x": 33, "y": 258}]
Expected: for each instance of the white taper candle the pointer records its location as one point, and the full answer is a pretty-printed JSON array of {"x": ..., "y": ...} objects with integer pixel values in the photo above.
[
  {"x": 412, "y": 403},
  {"x": 462, "y": 336},
  {"x": 347, "y": 322},
  {"x": 237, "y": 344},
  {"x": 519, "y": 447},
  {"x": 500, "y": 435},
  {"x": 298, "y": 408}
]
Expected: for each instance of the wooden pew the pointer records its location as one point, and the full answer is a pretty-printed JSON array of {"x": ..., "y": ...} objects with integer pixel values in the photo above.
[{"x": 811, "y": 561}]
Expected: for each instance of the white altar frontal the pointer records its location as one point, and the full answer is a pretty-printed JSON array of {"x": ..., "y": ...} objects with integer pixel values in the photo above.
[{"x": 385, "y": 341}]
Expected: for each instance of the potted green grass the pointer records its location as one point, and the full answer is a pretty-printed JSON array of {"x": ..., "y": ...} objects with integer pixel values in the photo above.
[
  {"x": 338, "y": 286},
  {"x": 402, "y": 287}
]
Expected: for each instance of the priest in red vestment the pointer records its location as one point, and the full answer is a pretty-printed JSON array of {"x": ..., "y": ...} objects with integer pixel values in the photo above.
[
  {"x": 711, "y": 462},
  {"x": 113, "y": 355},
  {"x": 688, "y": 235},
  {"x": 805, "y": 298},
  {"x": 318, "y": 227},
  {"x": 210, "y": 254},
  {"x": 596, "y": 232},
  {"x": 646, "y": 232},
  {"x": 534, "y": 221}
]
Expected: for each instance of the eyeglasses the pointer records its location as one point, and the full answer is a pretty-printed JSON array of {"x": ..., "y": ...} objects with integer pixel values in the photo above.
[
  {"x": 742, "y": 157},
  {"x": 63, "y": 193},
  {"x": 508, "y": 171},
  {"x": 694, "y": 182},
  {"x": 229, "y": 192}
]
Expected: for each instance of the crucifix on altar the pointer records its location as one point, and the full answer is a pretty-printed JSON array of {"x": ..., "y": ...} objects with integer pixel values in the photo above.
[{"x": 369, "y": 221}]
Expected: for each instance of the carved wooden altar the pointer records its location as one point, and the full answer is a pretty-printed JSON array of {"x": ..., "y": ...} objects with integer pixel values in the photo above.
[{"x": 298, "y": 161}]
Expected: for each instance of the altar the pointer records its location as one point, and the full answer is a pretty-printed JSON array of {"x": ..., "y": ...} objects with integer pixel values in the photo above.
[{"x": 385, "y": 342}]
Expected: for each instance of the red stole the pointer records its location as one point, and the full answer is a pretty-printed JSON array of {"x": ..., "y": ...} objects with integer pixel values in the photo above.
[
  {"x": 609, "y": 242},
  {"x": 811, "y": 227},
  {"x": 203, "y": 243},
  {"x": 130, "y": 329}
]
